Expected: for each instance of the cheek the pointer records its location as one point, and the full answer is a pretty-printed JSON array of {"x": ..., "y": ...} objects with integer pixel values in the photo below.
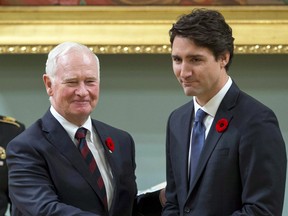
[
  {"x": 94, "y": 96},
  {"x": 94, "y": 92},
  {"x": 63, "y": 94}
]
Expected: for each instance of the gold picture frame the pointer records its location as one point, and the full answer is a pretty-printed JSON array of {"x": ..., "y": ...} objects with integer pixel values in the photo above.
[{"x": 132, "y": 29}]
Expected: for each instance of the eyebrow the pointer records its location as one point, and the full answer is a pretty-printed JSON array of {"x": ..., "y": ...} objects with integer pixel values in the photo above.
[{"x": 189, "y": 56}]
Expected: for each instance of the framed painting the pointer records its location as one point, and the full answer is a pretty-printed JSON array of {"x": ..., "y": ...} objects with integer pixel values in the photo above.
[
  {"x": 143, "y": 2},
  {"x": 121, "y": 26}
]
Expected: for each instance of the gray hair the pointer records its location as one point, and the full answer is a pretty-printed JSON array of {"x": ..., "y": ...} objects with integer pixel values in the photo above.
[{"x": 62, "y": 49}]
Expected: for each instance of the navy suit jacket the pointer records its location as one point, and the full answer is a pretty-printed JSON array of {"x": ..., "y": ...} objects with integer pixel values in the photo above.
[
  {"x": 48, "y": 176},
  {"x": 241, "y": 171}
]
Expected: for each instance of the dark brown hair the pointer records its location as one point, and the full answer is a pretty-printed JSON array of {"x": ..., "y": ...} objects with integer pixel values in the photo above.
[{"x": 206, "y": 28}]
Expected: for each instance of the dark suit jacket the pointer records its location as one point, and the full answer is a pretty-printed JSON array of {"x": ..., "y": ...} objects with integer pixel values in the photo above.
[
  {"x": 149, "y": 204},
  {"x": 241, "y": 171},
  {"x": 48, "y": 176},
  {"x": 9, "y": 128}
]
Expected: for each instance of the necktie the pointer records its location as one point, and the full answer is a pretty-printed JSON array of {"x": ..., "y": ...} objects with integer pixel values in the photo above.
[
  {"x": 198, "y": 139},
  {"x": 89, "y": 159}
]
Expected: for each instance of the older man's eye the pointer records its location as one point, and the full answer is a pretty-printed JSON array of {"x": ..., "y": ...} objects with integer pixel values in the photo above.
[
  {"x": 91, "y": 82},
  {"x": 70, "y": 82}
]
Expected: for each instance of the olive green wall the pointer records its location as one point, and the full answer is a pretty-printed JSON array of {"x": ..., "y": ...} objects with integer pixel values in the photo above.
[{"x": 138, "y": 92}]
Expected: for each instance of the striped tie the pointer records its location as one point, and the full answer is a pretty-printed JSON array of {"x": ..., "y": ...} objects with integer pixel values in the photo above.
[{"x": 89, "y": 159}]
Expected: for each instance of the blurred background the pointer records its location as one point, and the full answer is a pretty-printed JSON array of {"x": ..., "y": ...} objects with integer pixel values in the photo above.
[{"x": 138, "y": 91}]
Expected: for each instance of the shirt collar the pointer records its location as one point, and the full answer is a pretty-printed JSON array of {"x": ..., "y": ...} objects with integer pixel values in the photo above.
[
  {"x": 212, "y": 105},
  {"x": 72, "y": 128}
]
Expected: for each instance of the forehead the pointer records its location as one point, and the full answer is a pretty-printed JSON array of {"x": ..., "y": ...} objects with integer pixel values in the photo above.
[
  {"x": 77, "y": 61},
  {"x": 77, "y": 57},
  {"x": 185, "y": 47}
]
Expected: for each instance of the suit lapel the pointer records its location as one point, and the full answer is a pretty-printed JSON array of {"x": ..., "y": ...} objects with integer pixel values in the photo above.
[
  {"x": 112, "y": 158},
  {"x": 182, "y": 128},
  {"x": 102, "y": 134},
  {"x": 59, "y": 138},
  {"x": 213, "y": 137}
]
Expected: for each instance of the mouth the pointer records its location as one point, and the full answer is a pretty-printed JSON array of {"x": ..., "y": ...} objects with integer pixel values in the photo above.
[
  {"x": 81, "y": 102},
  {"x": 187, "y": 84}
]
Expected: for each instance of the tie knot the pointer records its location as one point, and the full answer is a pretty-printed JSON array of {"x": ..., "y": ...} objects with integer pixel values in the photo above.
[
  {"x": 81, "y": 133},
  {"x": 200, "y": 115}
]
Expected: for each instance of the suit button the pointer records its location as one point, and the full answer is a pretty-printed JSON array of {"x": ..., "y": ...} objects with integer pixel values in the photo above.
[{"x": 187, "y": 210}]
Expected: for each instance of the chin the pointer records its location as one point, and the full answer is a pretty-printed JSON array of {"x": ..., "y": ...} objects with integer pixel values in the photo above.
[
  {"x": 83, "y": 111},
  {"x": 189, "y": 93}
]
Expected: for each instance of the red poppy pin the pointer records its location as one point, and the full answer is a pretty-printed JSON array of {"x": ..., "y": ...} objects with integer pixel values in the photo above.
[
  {"x": 221, "y": 125},
  {"x": 110, "y": 144}
]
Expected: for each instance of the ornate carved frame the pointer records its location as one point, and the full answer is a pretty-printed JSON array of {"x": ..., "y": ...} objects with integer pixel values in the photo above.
[{"x": 133, "y": 30}]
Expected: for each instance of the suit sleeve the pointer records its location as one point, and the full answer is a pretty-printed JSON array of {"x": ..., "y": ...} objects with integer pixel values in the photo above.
[
  {"x": 262, "y": 164},
  {"x": 148, "y": 204},
  {"x": 33, "y": 193}
]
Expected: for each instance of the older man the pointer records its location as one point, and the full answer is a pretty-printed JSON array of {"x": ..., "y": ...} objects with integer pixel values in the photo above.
[{"x": 67, "y": 163}]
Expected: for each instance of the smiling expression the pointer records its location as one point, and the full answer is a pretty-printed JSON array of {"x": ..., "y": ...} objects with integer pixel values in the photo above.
[{"x": 74, "y": 91}]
